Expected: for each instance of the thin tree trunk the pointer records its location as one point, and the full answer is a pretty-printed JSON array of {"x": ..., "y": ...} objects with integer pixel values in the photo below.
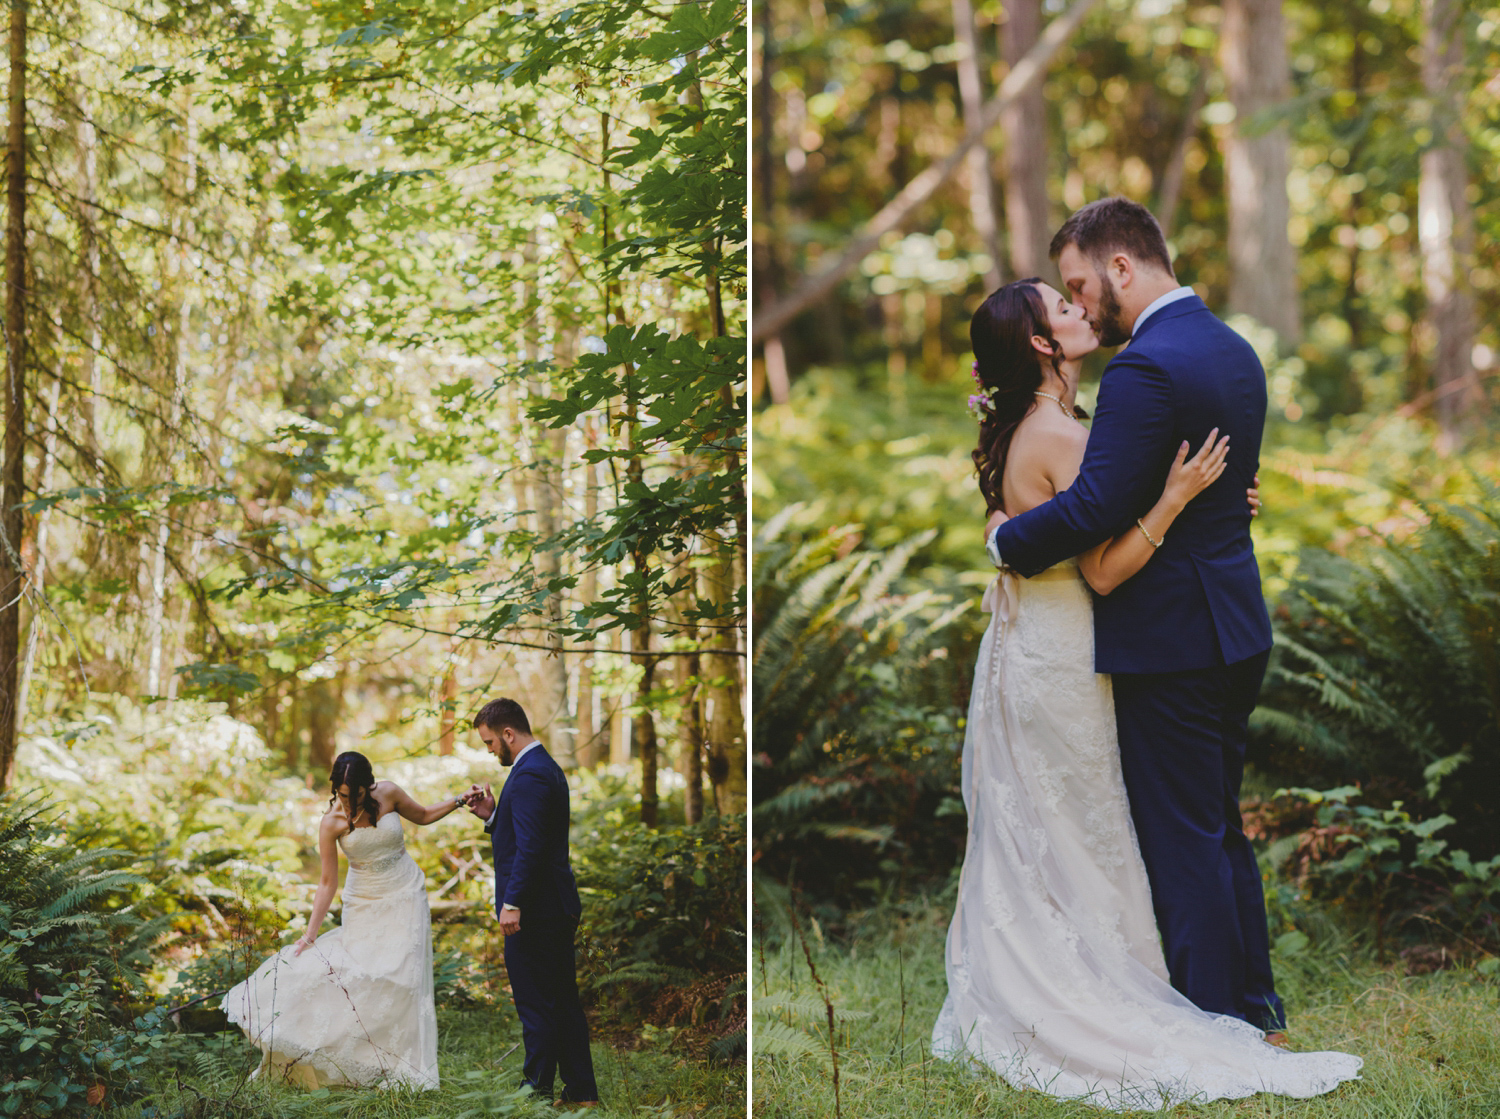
[
  {"x": 1029, "y": 71},
  {"x": 1445, "y": 224},
  {"x": 39, "y": 564},
  {"x": 156, "y": 614},
  {"x": 1262, "y": 263},
  {"x": 723, "y": 689},
  {"x": 619, "y": 736},
  {"x": 13, "y": 479},
  {"x": 1176, "y": 169},
  {"x": 590, "y": 742},
  {"x": 1025, "y": 125},
  {"x": 977, "y": 162},
  {"x": 448, "y": 702}
]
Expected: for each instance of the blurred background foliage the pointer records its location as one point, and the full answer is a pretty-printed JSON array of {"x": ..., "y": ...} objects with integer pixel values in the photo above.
[{"x": 1372, "y": 778}]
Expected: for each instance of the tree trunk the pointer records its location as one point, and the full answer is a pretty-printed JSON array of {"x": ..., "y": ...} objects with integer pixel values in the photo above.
[
  {"x": 773, "y": 320},
  {"x": 325, "y": 703},
  {"x": 1262, "y": 263},
  {"x": 590, "y": 744},
  {"x": 1176, "y": 169},
  {"x": 977, "y": 162},
  {"x": 448, "y": 703},
  {"x": 1445, "y": 224},
  {"x": 1025, "y": 125},
  {"x": 619, "y": 737},
  {"x": 722, "y": 690},
  {"x": 13, "y": 479},
  {"x": 691, "y": 724},
  {"x": 39, "y": 563},
  {"x": 182, "y": 223}
]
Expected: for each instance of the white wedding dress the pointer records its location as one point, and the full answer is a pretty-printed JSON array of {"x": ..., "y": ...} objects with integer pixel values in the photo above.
[
  {"x": 356, "y": 1008},
  {"x": 1056, "y": 979}
]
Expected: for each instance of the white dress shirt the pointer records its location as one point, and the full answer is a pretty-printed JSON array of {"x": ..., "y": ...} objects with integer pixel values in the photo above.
[{"x": 1151, "y": 308}]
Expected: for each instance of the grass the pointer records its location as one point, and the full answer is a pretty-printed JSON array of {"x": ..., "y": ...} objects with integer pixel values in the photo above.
[
  {"x": 1431, "y": 1043},
  {"x": 479, "y": 1061}
]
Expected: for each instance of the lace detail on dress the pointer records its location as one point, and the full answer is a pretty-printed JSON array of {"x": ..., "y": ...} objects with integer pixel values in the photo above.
[
  {"x": 1055, "y": 974},
  {"x": 357, "y": 1007}
]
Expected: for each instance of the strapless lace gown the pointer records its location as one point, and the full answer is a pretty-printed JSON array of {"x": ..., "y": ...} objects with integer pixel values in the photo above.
[
  {"x": 356, "y": 1008},
  {"x": 1056, "y": 979}
]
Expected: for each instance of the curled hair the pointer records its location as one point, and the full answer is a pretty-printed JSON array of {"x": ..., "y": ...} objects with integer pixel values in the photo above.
[
  {"x": 353, "y": 769},
  {"x": 1009, "y": 371},
  {"x": 1114, "y": 225}
]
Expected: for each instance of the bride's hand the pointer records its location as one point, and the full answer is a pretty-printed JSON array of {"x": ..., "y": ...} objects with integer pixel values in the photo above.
[
  {"x": 304, "y": 943},
  {"x": 1191, "y": 476}
]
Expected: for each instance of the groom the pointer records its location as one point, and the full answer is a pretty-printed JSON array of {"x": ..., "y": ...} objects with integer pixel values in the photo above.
[
  {"x": 1187, "y": 639},
  {"x": 536, "y": 902}
]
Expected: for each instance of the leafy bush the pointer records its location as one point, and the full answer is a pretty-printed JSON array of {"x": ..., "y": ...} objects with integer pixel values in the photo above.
[
  {"x": 857, "y": 718},
  {"x": 664, "y": 911},
  {"x": 1384, "y": 865},
  {"x": 1387, "y": 670},
  {"x": 68, "y": 953}
]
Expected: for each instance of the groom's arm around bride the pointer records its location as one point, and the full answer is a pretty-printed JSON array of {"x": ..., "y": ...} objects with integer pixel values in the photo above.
[{"x": 1187, "y": 639}]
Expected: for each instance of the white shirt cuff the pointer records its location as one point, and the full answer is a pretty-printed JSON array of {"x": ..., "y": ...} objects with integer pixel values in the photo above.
[
  {"x": 512, "y": 908},
  {"x": 990, "y": 548}
]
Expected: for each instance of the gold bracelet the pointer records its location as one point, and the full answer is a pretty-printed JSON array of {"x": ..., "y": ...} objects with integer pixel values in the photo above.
[{"x": 1142, "y": 526}]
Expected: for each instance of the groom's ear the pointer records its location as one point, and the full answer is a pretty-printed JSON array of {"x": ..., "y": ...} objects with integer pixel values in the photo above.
[{"x": 1121, "y": 270}]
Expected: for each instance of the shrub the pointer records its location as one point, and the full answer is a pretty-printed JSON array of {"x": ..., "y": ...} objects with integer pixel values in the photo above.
[
  {"x": 1387, "y": 670},
  {"x": 664, "y": 913},
  {"x": 857, "y": 720},
  {"x": 68, "y": 954},
  {"x": 1385, "y": 865}
]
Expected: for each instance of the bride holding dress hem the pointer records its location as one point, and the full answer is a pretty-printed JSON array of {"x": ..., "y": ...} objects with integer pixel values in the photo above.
[{"x": 354, "y": 1006}]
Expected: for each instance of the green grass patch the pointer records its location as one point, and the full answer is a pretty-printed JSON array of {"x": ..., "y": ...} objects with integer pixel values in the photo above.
[
  {"x": 479, "y": 1060},
  {"x": 1431, "y": 1043}
]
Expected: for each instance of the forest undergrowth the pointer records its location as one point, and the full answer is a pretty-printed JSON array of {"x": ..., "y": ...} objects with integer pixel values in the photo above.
[
  {"x": 1431, "y": 1043},
  {"x": 479, "y": 1059}
]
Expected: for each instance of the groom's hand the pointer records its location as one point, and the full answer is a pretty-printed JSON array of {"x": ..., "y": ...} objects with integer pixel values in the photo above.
[
  {"x": 510, "y": 921},
  {"x": 997, "y": 518},
  {"x": 481, "y": 802}
]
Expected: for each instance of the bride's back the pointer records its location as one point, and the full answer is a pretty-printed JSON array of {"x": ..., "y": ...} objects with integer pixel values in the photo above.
[{"x": 1043, "y": 459}]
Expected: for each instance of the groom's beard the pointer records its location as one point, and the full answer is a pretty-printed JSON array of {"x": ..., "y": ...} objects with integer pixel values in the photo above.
[{"x": 1110, "y": 323}]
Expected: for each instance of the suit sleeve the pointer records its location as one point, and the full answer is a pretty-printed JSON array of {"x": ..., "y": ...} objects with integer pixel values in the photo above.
[
  {"x": 1129, "y": 448},
  {"x": 528, "y": 815}
]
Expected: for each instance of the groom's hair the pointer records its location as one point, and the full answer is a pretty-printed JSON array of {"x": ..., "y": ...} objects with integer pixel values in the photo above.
[
  {"x": 499, "y": 713},
  {"x": 1114, "y": 225}
]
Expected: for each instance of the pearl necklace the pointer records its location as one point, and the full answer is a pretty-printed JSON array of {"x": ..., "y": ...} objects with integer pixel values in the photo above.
[{"x": 1072, "y": 415}]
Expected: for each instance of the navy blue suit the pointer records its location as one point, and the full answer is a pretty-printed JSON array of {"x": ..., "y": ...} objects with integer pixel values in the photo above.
[
  {"x": 529, "y": 837},
  {"x": 1186, "y": 639}
]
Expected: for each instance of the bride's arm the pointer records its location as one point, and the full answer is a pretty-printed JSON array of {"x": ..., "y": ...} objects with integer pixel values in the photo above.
[
  {"x": 1114, "y": 561},
  {"x": 418, "y": 813},
  {"x": 328, "y": 882}
]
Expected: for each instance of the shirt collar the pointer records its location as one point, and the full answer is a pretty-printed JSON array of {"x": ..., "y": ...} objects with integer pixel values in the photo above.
[
  {"x": 524, "y": 749},
  {"x": 1157, "y": 304}
]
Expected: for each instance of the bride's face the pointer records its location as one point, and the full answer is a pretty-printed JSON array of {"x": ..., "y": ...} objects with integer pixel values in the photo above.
[{"x": 1070, "y": 326}]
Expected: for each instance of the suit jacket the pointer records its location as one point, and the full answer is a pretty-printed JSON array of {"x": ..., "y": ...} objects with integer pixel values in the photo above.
[
  {"x": 1197, "y": 603},
  {"x": 529, "y": 837}
]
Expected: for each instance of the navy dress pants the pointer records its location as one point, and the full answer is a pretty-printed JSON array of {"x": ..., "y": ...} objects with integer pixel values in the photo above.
[
  {"x": 544, "y": 983},
  {"x": 1182, "y": 750}
]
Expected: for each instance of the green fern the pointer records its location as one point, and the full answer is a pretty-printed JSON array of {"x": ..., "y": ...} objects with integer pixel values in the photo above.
[
  {"x": 1387, "y": 664},
  {"x": 856, "y": 732}
]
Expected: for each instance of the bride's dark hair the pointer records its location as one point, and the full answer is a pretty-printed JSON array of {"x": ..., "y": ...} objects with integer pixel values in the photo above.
[
  {"x": 353, "y": 769},
  {"x": 1009, "y": 371}
]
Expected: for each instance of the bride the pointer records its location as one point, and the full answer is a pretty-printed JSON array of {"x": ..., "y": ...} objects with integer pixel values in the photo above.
[
  {"x": 1056, "y": 978},
  {"x": 354, "y": 1006}
]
